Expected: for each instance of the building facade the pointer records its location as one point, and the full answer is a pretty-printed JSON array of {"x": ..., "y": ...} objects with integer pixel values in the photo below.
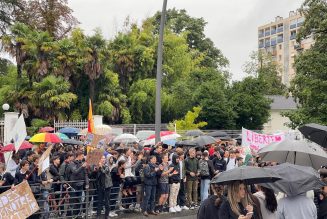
[{"x": 279, "y": 39}]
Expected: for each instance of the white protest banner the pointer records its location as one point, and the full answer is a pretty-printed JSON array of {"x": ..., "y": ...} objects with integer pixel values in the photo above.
[
  {"x": 44, "y": 161},
  {"x": 256, "y": 141},
  {"x": 19, "y": 203},
  {"x": 18, "y": 133}
]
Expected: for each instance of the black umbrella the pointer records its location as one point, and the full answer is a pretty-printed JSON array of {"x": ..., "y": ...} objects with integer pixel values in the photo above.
[
  {"x": 248, "y": 174},
  {"x": 316, "y": 133},
  {"x": 204, "y": 140},
  {"x": 185, "y": 143},
  {"x": 194, "y": 133},
  {"x": 217, "y": 134},
  {"x": 72, "y": 142},
  {"x": 295, "y": 179}
]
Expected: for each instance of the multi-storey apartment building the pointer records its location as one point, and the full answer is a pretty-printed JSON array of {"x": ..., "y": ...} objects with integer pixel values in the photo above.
[{"x": 279, "y": 39}]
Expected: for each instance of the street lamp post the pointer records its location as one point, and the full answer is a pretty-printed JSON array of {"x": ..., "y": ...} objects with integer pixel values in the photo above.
[{"x": 159, "y": 73}]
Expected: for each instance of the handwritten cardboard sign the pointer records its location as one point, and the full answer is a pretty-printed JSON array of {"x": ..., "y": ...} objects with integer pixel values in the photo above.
[
  {"x": 96, "y": 139},
  {"x": 44, "y": 161},
  {"x": 19, "y": 203},
  {"x": 94, "y": 156}
]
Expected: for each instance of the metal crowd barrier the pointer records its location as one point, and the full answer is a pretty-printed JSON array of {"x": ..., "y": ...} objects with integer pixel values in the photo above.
[{"x": 66, "y": 201}]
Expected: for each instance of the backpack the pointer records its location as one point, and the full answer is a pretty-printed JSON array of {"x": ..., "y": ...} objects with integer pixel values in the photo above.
[{"x": 204, "y": 168}]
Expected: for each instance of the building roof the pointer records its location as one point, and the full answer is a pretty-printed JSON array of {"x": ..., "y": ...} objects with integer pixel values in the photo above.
[{"x": 282, "y": 102}]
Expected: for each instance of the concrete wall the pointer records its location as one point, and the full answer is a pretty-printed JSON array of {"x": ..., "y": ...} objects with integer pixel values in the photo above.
[{"x": 276, "y": 122}]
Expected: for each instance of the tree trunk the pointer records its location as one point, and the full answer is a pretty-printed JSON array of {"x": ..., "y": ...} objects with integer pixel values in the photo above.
[
  {"x": 19, "y": 71},
  {"x": 91, "y": 89}
]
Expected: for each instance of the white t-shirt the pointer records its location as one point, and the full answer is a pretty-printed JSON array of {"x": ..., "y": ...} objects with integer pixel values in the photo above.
[{"x": 231, "y": 164}]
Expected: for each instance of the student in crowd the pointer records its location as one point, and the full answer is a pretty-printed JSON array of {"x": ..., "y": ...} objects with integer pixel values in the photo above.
[
  {"x": 192, "y": 173},
  {"x": 174, "y": 181},
  {"x": 206, "y": 173},
  {"x": 164, "y": 182},
  {"x": 268, "y": 202},
  {"x": 210, "y": 207}
]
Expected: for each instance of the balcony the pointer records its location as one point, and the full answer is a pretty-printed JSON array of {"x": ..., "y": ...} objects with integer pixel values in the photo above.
[
  {"x": 299, "y": 24},
  {"x": 280, "y": 40},
  {"x": 293, "y": 36},
  {"x": 267, "y": 33},
  {"x": 280, "y": 29},
  {"x": 292, "y": 26},
  {"x": 273, "y": 31},
  {"x": 261, "y": 35},
  {"x": 273, "y": 42}
]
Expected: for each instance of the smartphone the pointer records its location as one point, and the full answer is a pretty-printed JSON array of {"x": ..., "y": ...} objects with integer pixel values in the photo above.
[{"x": 249, "y": 215}]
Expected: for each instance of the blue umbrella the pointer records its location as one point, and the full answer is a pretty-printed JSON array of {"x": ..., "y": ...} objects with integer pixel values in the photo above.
[
  {"x": 70, "y": 131},
  {"x": 170, "y": 142}
]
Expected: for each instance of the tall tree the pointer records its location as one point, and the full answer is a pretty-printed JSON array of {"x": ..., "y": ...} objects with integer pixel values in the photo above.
[
  {"x": 309, "y": 86},
  {"x": 7, "y": 13}
]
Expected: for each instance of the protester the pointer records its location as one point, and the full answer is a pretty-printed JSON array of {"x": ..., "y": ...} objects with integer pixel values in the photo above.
[
  {"x": 206, "y": 173},
  {"x": 268, "y": 202},
  {"x": 164, "y": 182},
  {"x": 6, "y": 179},
  {"x": 192, "y": 173},
  {"x": 151, "y": 172},
  {"x": 218, "y": 161},
  {"x": 210, "y": 207},
  {"x": 174, "y": 181},
  {"x": 181, "y": 198},
  {"x": 231, "y": 160},
  {"x": 13, "y": 164},
  {"x": 239, "y": 205}
]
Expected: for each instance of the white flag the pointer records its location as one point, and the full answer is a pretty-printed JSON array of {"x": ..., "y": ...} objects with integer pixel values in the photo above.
[{"x": 18, "y": 133}]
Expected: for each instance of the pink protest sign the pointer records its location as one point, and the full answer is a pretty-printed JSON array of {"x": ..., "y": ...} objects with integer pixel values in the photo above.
[{"x": 256, "y": 141}]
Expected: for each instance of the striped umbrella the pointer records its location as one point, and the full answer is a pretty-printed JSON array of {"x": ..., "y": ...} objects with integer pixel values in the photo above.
[{"x": 45, "y": 137}]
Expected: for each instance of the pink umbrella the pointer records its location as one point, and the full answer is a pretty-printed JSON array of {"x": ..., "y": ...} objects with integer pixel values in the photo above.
[
  {"x": 46, "y": 129},
  {"x": 11, "y": 147},
  {"x": 164, "y": 135}
]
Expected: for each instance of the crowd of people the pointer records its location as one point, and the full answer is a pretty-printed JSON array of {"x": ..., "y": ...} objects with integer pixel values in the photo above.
[{"x": 150, "y": 180}]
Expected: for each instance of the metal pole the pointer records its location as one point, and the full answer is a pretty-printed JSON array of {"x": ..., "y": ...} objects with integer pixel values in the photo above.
[{"x": 159, "y": 73}]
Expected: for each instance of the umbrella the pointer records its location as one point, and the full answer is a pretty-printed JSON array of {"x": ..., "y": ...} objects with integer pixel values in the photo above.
[
  {"x": 45, "y": 137},
  {"x": 144, "y": 134},
  {"x": 70, "y": 131},
  {"x": 99, "y": 130},
  {"x": 165, "y": 135},
  {"x": 296, "y": 152},
  {"x": 11, "y": 147},
  {"x": 316, "y": 133},
  {"x": 250, "y": 175},
  {"x": 217, "y": 134},
  {"x": 194, "y": 133},
  {"x": 171, "y": 142},
  {"x": 62, "y": 136},
  {"x": 185, "y": 143},
  {"x": 46, "y": 129},
  {"x": 126, "y": 138},
  {"x": 295, "y": 179},
  {"x": 204, "y": 140},
  {"x": 72, "y": 142}
]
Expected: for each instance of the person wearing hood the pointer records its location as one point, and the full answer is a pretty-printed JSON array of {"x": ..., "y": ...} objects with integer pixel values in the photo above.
[
  {"x": 210, "y": 207},
  {"x": 268, "y": 202},
  {"x": 174, "y": 181}
]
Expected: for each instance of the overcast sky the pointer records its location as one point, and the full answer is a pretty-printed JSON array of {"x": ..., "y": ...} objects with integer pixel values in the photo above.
[{"x": 232, "y": 24}]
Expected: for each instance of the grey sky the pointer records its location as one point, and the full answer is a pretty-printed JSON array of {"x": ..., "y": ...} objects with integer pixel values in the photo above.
[{"x": 232, "y": 24}]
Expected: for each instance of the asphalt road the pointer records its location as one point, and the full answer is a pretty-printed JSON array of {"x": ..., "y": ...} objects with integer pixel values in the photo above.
[{"x": 190, "y": 214}]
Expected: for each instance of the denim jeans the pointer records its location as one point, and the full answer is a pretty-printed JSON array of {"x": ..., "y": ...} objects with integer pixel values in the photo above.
[
  {"x": 205, "y": 183},
  {"x": 45, "y": 204},
  {"x": 103, "y": 200},
  {"x": 149, "y": 199}
]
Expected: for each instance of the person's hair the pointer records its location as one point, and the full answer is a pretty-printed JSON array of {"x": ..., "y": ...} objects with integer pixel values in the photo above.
[
  {"x": 191, "y": 149},
  {"x": 219, "y": 192},
  {"x": 78, "y": 153},
  {"x": 232, "y": 195},
  {"x": 36, "y": 157},
  {"x": 55, "y": 158},
  {"x": 29, "y": 153},
  {"x": 205, "y": 154},
  {"x": 271, "y": 202},
  {"x": 126, "y": 150},
  {"x": 164, "y": 154},
  {"x": 151, "y": 157},
  {"x": 2, "y": 166},
  {"x": 121, "y": 163},
  {"x": 69, "y": 154},
  {"x": 23, "y": 163}
]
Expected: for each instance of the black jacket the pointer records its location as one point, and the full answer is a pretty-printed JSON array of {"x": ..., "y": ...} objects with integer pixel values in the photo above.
[
  {"x": 8, "y": 181},
  {"x": 219, "y": 164},
  {"x": 150, "y": 175},
  {"x": 78, "y": 173},
  {"x": 208, "y": 209},
  {"x": 175, "y": 178},
  {"x": 227, "y": 213}
]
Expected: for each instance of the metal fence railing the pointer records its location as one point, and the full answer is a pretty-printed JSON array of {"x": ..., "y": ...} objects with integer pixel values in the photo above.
[{"x": 67, "y": 201}]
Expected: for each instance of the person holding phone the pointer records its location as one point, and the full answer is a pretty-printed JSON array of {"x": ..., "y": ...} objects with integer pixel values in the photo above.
[{"x": 239, "y": 203}]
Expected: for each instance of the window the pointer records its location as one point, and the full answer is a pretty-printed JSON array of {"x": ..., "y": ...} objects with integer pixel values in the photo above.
[
  {"x": 280, "y": 47},
  {"x": 293, "y": 35},
  {"x": 293, "y": 24}
]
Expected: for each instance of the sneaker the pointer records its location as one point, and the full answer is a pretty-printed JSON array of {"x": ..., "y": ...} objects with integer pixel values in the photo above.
[
  {"x": 196, "y": 205},
  {"x": 172, "y": 210},
  {"x": 137, "y": 206},
  {"x": 113, "y": 214},
  {"x": 121, "y": 208},
  {"x": 178, "y": 209},
  {"x": 131, "y": 207},
  {"x": 145, "y": 214},
  {"x": 192, "y": 207},
  {"x": 185, "y": 207}
]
